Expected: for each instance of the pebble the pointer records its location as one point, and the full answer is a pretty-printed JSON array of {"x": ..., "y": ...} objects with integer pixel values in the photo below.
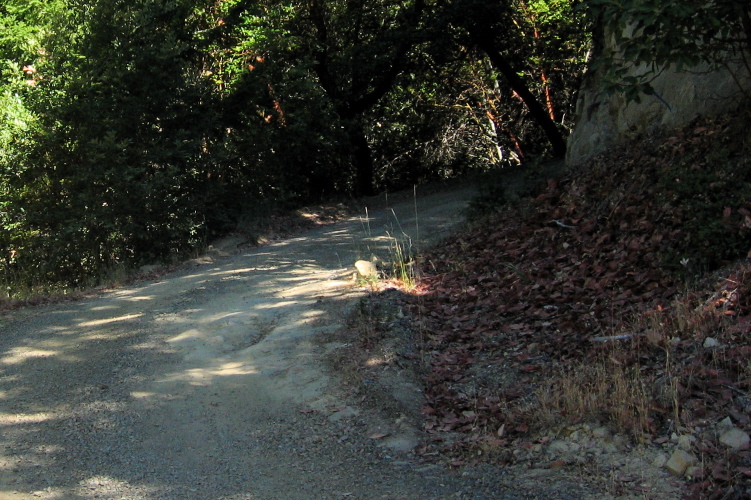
[
  {"x": 686, "y": 441},
  {"x": 725, "y": 424},
  {"x": 710, "y": 343},
  {"x": 679, "y": 461},
  {"x": 735, "y": 439},
  {"x": 660, "y": 460},
  {"x": 558, "y": 448},
  {"x": 366, "y": 269},
  {"x": 601, "y": 432},
  {"x": 346, "y": 412}
]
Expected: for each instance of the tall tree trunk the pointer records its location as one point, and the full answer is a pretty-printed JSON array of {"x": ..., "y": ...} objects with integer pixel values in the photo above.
[
  {"x": 746, "y": 23},
  {"x": 364, "y": 168},
  {"x": 485, "y": 42},
  {"x": 544, "y": 77},
  {"x": 351, "y": 96}
]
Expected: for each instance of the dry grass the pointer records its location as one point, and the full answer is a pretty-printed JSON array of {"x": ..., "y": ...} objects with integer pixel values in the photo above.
[
  {"x": 603, "y": 392},
  {"x": 643, "y": 373},
  {"x": 403, "y": 268}
]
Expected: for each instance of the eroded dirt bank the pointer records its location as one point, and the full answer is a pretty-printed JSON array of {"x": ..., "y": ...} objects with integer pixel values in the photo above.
[{"x": 209, "y": 383}]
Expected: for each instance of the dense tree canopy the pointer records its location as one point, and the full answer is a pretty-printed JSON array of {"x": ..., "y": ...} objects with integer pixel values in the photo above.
[{"x": 135, "y": 130}]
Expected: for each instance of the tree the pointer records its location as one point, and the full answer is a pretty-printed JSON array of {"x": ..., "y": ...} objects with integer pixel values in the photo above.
[
  {"x": 123, "y": 112},
  {"x": 139, "y": 128},
  {"x": 355, "y": 51},
  {"x": 23, "y": 24},
  {"x": 367, "y": 55},
  {"x": 499, "y": 29},
  {"x": 359, "y": 53},
  {"x": 283, "y": 140}
]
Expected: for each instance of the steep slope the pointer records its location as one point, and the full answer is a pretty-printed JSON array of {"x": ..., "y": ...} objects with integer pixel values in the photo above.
[{"x": 586, "y": 304}]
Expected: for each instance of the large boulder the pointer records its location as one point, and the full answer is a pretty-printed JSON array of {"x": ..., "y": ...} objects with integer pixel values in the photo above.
[{"x": 605, "y": 121}]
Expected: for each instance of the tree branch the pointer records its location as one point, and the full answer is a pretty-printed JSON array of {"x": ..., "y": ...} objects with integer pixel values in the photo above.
[{"x": 538, "y": 112}]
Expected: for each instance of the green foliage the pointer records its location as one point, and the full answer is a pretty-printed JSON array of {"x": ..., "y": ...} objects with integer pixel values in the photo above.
[
  {"x": 425, "y": 137},
  {"x": 284, "y": 140},
  {"x": 113, "y": 168},
  {"x": 22, "y": 27},
  {"x": 134, "y": 130},
  {"x": 654, "y": 34},
  {"x": 403, "y": 261},
  {"x": 544, "y": 43},
  {"x": 453, "y": 112}
]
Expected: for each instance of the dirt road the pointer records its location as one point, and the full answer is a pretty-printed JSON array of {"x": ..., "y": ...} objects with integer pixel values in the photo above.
[{"x": 208, "y": 383}]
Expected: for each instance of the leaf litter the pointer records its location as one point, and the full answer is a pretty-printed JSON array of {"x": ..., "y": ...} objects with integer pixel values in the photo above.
[{"x": 598, "y": 270}]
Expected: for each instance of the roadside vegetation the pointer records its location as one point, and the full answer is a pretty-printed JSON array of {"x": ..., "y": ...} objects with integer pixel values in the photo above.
[{"x": 136, "y": 132}]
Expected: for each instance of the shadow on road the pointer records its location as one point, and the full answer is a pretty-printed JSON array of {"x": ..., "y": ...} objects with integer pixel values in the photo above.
[{"x": 196, "y": 385}]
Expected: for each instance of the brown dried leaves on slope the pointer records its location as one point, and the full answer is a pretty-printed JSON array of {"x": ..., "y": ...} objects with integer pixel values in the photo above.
[{"x": 586, "y": 273}]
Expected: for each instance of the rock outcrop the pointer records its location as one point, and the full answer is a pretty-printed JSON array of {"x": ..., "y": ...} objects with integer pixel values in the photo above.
[{"x": 605, "y": 121}]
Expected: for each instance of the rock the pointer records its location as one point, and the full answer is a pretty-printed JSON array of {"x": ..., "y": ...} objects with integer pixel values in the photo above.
[
  {"x": 346, "y": 412},
  {"x": 579, "y": 459},
  {"x": 601, "y": 432},
  {"x": 725, "y": 424},
  {"x": 402, "y": 443},
  {"x": 366, "y": 269},
  {"x": 710, "y": 343},
  {"x": 679, "y": 462},
  {"x": 614, "y": 445},
  {"x": 605, "y": 121},
  {"x": 686, "y": 441},
  {"x": 735, "y": 439},
  {"x": 610, "y": 448},
  {"x": 558, "y": 448},
  {"x": 660, "y": 460}
]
